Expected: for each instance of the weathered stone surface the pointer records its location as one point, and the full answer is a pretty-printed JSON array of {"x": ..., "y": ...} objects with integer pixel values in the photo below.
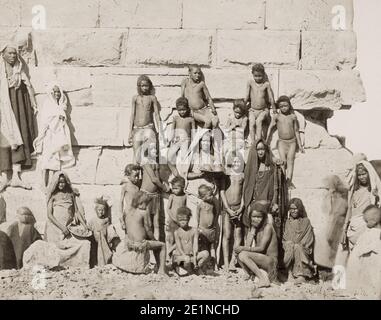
[
  {"x": 223, "y": 14},
  {"x": 306, "y": 14},
  {"x": 317, "y": 136},
  {"x": 85, "y": 168},
  {"x": 41, "y": 253},
  {"x": 328, "y": 50},
  {"x": 321, "y": 89},
  {"x": 96, "y": 47},
  {"x": 97, "y": 126},
  {"x": 171, "y": 47},
  {"x": 9, "y": 13},
  {"x": 111, "y": 165},
  {"x": 74, "y": 14},
  {"x": 272, "y": 48},
  {"x": 140, "y": 14}
]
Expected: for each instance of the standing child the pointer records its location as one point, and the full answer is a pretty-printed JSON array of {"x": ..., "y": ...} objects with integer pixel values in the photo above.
[
  {"x": 144, "y": 114},
  {"x": 105, "y": 236},
  {"x": 236, "y": 126},
  {"x": 132, "y": 255},
  {"x": 22, "y": 233},
  {"x": 177, "y": 199},
  {"x": 187, "y": 254},
  {"x": 207, "y": 219},
  {"x": 53, "y": 142},
  {"x": 260, "y": 95},
  {"x": 298, "y": 240},
  {"x": 289, "y": 137},
  {"x": 180, "y": 134},
  {"x": 130, "y": 186}
]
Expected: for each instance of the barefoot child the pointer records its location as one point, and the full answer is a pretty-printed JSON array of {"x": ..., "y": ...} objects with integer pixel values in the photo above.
[
  {"x": 236, "y": 126},
  {"x": 207, "y": 217},
  {"x": 298, "y": 240},
  {"x": 261, "y": 247},
  {"x": 260, "y": 96},
  {"x": 144, "y": 114},
  {"x": 130, "y": 186},
  {"x": 105, "y": 236},
  {"x": 186, "y": 254},
  {"x": 177, "y": 199},
  {"x": 180, "y": 133},
  {"x": 22, "y": 233},
  {"x": 132, "y": 255},
  {"x": 53, "y": 142},
  {"x": 232, "y": 199},
  {"x": 153, "y": 187},
  {"x": 289, "y": 137}
]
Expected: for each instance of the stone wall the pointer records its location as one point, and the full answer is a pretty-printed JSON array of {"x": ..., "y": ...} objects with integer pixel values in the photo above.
[{"x": 97, "y": 48}]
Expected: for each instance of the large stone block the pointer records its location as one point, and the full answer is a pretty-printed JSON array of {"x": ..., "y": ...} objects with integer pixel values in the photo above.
[
  {"x": 72, "y": 14},
  {"x": 96, "y": 47},
  {"x": 316, "y": 136},
  {"x": 171, "y": 47},
  {"x": 321, "y": 89},
  {"x": 97, "y": 126},
  {"x": 10, "y": 13},
  {"x": 224, "y": 14},
  {"x": 140, "y": 14},
  {"x": 329, "y": 50},
  {"x": 111, "y": 165},
  {"x": 308, "y": 14},
  {"x": 272, "y": 48}
]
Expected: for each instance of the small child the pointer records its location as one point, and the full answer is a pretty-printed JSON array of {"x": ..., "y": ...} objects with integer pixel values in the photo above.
[
  {"x": 236, "y": 126},
  {"x": 180, "y": 134},
  {"x": 260, "y": 95},
  {"x": 144, "y": 114},
  {"x": 298, "y": 240},
  {"x": 130, "y": 186},
  {"x": 105, "y": 236},
  {"x": 187, "y": 254},
  {"x": 207, "y": 219},
  {"x": 132, "y": 255},
  {"x": 153, "y": 187},
  {"x": 232, "y": 199},
  {"x": 177, "y": 199},
  {"x": 289, "y": 137},
  {"x": 195, "y": 90},
  {"x": 54, "y": 142},
  {"x": 23, "y": 233}
]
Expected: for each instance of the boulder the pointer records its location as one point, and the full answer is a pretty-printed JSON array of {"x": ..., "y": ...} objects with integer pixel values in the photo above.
[{"x": 41, "y": 253}]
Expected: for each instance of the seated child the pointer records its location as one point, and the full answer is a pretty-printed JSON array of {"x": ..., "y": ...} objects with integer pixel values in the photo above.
[
  {"x": 289, "y": 137},
  {"x": 187, "y": 254},
  {"x": 177, "y": 199},
  {"x": 364, "y": 264},
  {"x": 130, "y": 186},
  {"x": 22, "y": 233},
  {"x": 207, "y": 219},
  {"x": 232, "y": 200},
  {"x": 144, "y": 114},
  {"x": 261, "y": 247},
  {"x": 298, "y": 240},
  {"x": 260, "y": 96},
  {"x": 53, "y": 141},
  {"x": 236, "y": 126},
  {"x": 105, "y": 236},
  {"x": 180, "y": 133}
]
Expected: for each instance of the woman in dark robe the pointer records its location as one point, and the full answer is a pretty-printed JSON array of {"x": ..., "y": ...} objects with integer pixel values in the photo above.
[
  {"x": 7, "y": 253},
  {"x": 17, "y": 109},
  {"x": 264, "y": 181}
]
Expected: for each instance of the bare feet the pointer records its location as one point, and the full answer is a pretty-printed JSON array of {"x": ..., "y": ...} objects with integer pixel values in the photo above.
[
  {"x": 232, "y": 267},
  {"x": 300, "y": 280},
  {"x": 263, "y": 283}
]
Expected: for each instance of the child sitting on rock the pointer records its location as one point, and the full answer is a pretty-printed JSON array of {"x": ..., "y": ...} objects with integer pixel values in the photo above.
[
  {"x": 22, "y": 233},
  {"x": 105, "y": 236}
]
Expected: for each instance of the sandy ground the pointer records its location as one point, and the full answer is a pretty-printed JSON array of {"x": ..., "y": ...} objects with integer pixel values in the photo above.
[{"x": 111, "y": 283}]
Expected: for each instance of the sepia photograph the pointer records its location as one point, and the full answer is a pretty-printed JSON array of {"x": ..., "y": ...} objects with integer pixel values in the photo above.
[{"x": 190, "y": 150}]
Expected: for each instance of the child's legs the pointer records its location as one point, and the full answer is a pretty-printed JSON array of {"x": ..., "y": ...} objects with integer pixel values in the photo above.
[
  {"x": 255, "y": 261},
  {"x": 283, "y": 151},
  {"x": 201, "y": 116},
  {"x": 237, "y": 235},
  {"x": 172, "y": 156},
  {"x": 259, "y": 122},
  {"x": 202, "y": 258},
  {"x": 291, "y": 159},
  {"x": 252, "y": 119},
  {"x": 159, "y": 251},
  {"x": 137, "y": 141},
  {"x": 227, "y": 229}
]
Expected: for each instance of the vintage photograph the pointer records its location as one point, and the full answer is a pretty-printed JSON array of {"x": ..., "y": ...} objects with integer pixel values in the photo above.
[{"x": 190, "y": 150}]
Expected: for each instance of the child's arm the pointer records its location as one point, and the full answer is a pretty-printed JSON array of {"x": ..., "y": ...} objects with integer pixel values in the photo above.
[
  {"x": 147, "y": 226},
  {"x": 297, "y": 134},
  {"x": 183, "y": 85},
  {"x": 198, "y": 209},
  {"x": 195, "y": 248},
  {"x": 209, "y": 98},
  {"x": 155, "y": 180},
  {"x": 224, "y": 200},
  {"x": 248, "y": 90},
  {"x": 121, "y": 208},
  {"x": 271, "y": 128},
  {"x": 263, "y": 244},
  {"x": 270, "y": 94},
  {"x": 171, "y": 131},
  {"x": 132, "y": 119},
  {"x": 157, "y": 116}
]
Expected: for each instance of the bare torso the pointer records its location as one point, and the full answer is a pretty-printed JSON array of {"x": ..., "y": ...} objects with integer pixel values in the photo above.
[
  {"x": 259, "y": 99},
  {"x": 285, "y": 126},
  {"x": 147, "y": 183},
  {"x": 144, "y": 110},
  {"x": 135, "y": 222},
  {"x": 206, "y": 215},
  {"x": 272, "y": 247},
  {"x": 186, "y": 238},
  {"x": 183, "y": 127},
  {"x": 129, "y": 191},
  {"x": 177, "y": 202},
  {"x": 234, "y": 190},
  {"x": 195, "y": 94}
]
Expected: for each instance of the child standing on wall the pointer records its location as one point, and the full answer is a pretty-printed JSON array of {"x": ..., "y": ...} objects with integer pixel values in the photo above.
[
  {"x": 144, "y": 117},
  {"x": 289, "y": 137},
  {"x": 261, "y": 96},
  {"x": 53, "y": 142}
]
